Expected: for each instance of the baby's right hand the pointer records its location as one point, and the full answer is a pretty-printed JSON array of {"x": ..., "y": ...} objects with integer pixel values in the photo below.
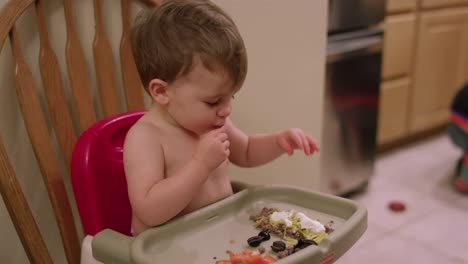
[{"x": 212, "y": 148}]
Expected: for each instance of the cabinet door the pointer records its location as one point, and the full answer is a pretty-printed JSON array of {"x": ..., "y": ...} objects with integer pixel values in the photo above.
[
  {"x": 398, "y": 45},
  {"x": 400, "y": 5},
  {"x": 393, "y": 110},
  {"x": 441, "y": 65},
  {"x": 441, "y": 3}
]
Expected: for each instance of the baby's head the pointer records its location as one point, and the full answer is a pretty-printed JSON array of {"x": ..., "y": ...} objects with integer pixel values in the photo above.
[{"x": 168, "y": 40}]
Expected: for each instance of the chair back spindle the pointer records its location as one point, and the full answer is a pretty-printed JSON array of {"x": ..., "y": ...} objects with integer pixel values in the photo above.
[
  {"x": 20, "y": 212},
  {"x": 68, "y": 120},
  {"x": 54, "y": 89},
  {"x": 78, "y": 72},
  {"x": 42, "y": 146},
  {"x": 131, "y": 79},
  {"x": 104, "y": 66}
]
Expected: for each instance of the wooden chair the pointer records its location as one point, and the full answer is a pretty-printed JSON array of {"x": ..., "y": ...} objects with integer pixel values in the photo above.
[{"x": 68, "y": 120}]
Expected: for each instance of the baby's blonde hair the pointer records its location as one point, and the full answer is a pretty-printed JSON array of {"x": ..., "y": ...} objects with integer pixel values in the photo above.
[{"x": 166, "y": 40}]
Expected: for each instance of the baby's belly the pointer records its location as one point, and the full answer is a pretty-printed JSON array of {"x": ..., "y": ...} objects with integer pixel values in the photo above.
[{"x": 214, "y": 189}]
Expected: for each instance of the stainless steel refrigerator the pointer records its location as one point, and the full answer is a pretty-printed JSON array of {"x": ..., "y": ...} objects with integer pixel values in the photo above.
[{"x": 353, "y": 65}]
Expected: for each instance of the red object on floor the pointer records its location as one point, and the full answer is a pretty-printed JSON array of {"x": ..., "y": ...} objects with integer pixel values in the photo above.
[
  {"x": 461, "y": 185},
  {"x": 397, "y": 206}
]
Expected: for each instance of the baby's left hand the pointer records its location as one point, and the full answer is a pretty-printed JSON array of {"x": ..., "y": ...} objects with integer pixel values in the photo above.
[{"x": 295, "y": 138}]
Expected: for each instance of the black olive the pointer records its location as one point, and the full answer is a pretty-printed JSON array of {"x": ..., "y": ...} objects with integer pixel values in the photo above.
[
  {"x": 254, "y": 241},
  {"x": 264, "y": 235},
  {"x": 303, "y": 243},
  {"x": 308, "y": 241},
  {"x": 278, "y": 246}
]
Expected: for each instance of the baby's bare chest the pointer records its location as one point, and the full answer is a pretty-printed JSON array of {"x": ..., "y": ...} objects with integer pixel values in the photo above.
[{"x": 179, "y": 151}]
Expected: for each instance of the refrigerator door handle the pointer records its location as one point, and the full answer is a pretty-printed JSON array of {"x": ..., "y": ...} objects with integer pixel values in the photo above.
[{"x": 339, "y": 50}]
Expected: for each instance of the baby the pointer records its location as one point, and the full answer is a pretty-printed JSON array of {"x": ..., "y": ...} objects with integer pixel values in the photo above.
[{"x": 192, "y": 61}]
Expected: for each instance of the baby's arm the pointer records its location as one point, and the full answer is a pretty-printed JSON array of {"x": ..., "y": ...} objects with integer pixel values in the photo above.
[
  {"x": 256, "y": 150},
  {"x": 155, "y": 199}
]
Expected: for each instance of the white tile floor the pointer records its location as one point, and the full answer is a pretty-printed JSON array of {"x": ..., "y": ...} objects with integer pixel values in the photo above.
[{"x": 433, "y": 228}]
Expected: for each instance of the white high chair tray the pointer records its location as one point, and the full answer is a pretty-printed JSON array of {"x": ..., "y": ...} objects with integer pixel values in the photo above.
[{"x": 205, "y": 236}]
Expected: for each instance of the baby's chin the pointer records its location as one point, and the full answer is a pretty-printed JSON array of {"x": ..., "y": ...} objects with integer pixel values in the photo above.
[
  {"x": 203, "y": 130},
  {"x": 200, "y": 131}
]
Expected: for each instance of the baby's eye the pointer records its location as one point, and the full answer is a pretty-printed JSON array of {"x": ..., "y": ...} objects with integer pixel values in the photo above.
[{"x": 214, "y": 103}]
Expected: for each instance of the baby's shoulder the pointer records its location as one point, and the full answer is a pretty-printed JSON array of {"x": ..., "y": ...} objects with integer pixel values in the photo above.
[{"x": 144, "y": 132}]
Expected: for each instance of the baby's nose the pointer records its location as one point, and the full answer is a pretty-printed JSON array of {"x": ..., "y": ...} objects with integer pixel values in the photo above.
[{"x": 225, "y": 110}]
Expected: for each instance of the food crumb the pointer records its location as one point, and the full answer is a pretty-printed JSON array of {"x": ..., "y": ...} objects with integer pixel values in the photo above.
[
  {"x": 261, "y": 250},
  {"x": 232, "y": 241},
  {"x": 214, "y": 257},
  {"x": 283, "y": 254}
]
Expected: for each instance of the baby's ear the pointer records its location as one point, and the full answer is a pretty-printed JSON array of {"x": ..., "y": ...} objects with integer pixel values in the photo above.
[{"x": 158, "y": 91}]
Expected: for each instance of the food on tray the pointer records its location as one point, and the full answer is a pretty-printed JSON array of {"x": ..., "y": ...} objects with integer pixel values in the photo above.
[
  {"x": 256, "y": 240},
  {"x": 296, "y": 229},
  {"x": 278, "y": 246},
  {"x": 292, "y": 226},
  {"x": 248, "y": 257},
  {"x": 264, "y": 235},
  {"x": 283, "y": 250}
]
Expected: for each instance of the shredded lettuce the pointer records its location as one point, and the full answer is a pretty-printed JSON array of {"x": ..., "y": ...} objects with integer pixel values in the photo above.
[
  {"x": 290, "y": 240},
  {"x": 306, "y": 233},
  {"x": 260, "y": 221}
]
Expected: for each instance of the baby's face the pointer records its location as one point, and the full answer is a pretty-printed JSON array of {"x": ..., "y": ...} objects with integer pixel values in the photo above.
[{"x": 201, "y": 100}]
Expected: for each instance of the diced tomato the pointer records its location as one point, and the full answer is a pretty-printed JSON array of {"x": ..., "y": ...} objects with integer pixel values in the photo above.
[
  {"x": 223, "y": 262},
  {"x": 248, "y": 257},
  {"x": 241, "y": 257},
  {"x": 269, "y": 259},
  {"x": 237, "y": 258},
  {"x": 255, "y": 260}
]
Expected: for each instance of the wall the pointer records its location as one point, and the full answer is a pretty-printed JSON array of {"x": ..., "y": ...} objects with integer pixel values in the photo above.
[{"x": 284, "y": 88}]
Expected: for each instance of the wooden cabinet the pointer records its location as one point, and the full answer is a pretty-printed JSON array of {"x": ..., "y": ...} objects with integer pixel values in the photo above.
[
  {"x": 393, "y": 6},
  {"x": 424, "y": 63},
  {"x": 440, "y": 65},
  {"x": 441, "y": 3},
  {"x": 397, "y": 64},
  {"x": 398, "y": 45},
  {"x": 393, "y": 110}
]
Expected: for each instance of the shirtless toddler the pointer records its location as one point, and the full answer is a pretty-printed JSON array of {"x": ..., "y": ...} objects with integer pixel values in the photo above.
[{"x": 192, "y": 61}]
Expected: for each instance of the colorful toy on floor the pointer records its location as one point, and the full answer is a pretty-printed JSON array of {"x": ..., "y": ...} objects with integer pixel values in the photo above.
[{"x": 458, "y": 131}]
